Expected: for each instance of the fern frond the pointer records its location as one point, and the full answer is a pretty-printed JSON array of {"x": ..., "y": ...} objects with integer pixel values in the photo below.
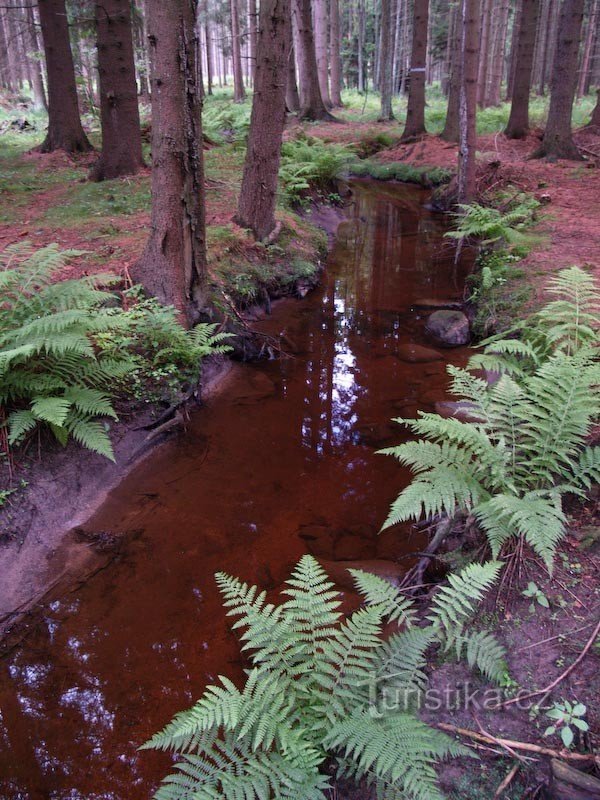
[
  {"x": 538, "y": 518},
  {"x": 90, "y": 434},
  {"x": 455, "y": 603},
  {"x": 484, "y": 652},
  {"x": 384, "y": 597},
  {"x": 313, "y": 607}
]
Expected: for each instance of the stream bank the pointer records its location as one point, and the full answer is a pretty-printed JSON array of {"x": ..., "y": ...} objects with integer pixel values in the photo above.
[{"x": 284, "y": 462}]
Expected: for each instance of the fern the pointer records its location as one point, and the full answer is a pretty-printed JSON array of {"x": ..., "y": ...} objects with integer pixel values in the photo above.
[
  {"x": 308, "y": 698},
  {"x": 525, "y": 446},
  {"x": 491, "y": 225},
  {"x": 63, "y": 343}
]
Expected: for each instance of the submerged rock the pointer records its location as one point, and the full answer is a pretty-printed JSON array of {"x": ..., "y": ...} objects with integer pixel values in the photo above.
[
  {"x": 450, "y": 328},
  {"x": 417, "y": 354},
  {"x": 432, "y": 302}
]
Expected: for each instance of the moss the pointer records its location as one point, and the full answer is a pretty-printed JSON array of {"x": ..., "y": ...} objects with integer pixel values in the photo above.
[{"x": 400, "y": 171}]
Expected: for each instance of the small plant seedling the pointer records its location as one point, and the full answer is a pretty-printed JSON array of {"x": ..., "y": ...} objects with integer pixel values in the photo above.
[
  {"x": 537, "y": 596},
  {"x": 567, "y": 717}
]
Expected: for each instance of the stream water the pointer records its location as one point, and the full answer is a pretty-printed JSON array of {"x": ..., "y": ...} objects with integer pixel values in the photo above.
[{"x": 280, "y": 463}]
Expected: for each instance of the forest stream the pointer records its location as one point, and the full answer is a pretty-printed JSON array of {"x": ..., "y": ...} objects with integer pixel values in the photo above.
[{"x": 282, "y": 462}]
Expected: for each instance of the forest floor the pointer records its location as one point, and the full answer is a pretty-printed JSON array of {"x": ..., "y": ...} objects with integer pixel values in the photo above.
[{"x": 46, "y": 199}]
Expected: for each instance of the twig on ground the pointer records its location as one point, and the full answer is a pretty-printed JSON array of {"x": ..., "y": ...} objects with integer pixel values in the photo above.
[
  {"x": 507, "y": 781},
  {"x": 509, "y": 745},
  {"x": 552, "y": 638},
  {"x": 546, "y": 691}
]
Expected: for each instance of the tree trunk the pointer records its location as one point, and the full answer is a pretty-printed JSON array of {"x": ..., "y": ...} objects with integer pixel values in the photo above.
[
  {"x": 415, "y": 112},
  {"x": 292, "y": 98},
  {"x": 360, "y": 78},
  {"x": 256, "y": 207},
  {"x": 468, "y": 101},
  {"x": 37, "y": 75},
  {"x": 173, "y": 265},
  {"x": 119, "y": 113},
  {"x": 313, "y": 107},
  {"x": 512, "y": 58},
  {"x": 451, "y": 132},
  {"x": 518, "y": 121},
  {"x": 595, "y": 120},
  {"x": 497, "y": 56},
  {"x": 385, "y": 62},
  {"x": 253, "y": 26},
  {"x": 551, "y": 40},
  {"x": 450, "y": 43},
  {"x": 320, "y": 27},
  {"x": 558, "y": 139},
  {"x": 239, "y": 93},
  {"x": 334, "y": 54},
  {"x": 584, "y": 72},
  {"x": 486, "y": 36},
  {"x": 64, "y": 125},
  {"x": 209, "y": 53}
]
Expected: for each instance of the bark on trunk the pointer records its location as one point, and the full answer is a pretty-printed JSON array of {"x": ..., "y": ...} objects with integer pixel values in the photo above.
[
  {"x": 312, "y": 105},
  {"x": 239, "y": 92},
  {"x": 486, "y": 35},
  {"x": 558, "y": 139},
  {"x": 595, "y": 120},
  {"x": 512, "y": 58},
  {"x": 253, "y": 26},
  {"x": 37, "y": 75},
  {"x": 64, "y": 124},
  {"x": 451, "y": 128},
  {"x": 415, "y": 112},
  {"x": 385, "y": 62},
  {"x": 256, "y": 207},
  {"x": 209, "y": 53},
  {"x": 320, "y": 26},
  {"x": 518, "y": 121},
  {"x": 497, "y": 55},
  {"x": 173, "y": 266},
  {"x": 468, "y": 101},
  {"x": 292, "y": 98},
  {"x": 360, "y": 78},
  {"x": 335, "y": 57},
  {"x": 584, "y": 72},
  {"x": 119, "y": 113}
]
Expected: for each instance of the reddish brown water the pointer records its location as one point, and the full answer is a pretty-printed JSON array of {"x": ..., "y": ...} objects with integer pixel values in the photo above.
[{"x": 280, "y": 463}]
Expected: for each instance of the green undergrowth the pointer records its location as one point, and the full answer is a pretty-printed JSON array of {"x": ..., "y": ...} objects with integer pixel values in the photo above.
[
  {"x": 70, "y": 349},
  {"x": 498, "y": 288},
  {"x": 245, "y": 272},
  {"x": 428, "y": 177},
  {"x": 366, "y": 107},
  {"x": 91, "y": 201}
]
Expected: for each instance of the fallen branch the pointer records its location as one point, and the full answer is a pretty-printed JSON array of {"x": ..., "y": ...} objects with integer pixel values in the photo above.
[
  {"x": 509, "y": 745},
  {"x": 416, "y": 574}
]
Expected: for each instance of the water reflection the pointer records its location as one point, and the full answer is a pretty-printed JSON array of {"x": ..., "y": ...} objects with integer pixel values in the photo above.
[{"x": 283, "y": 463}]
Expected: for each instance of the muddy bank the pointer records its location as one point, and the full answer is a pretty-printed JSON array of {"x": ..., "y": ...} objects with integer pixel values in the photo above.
[
  {"x": 57, "y": 489},
  {"x": 64, "y": 487}
]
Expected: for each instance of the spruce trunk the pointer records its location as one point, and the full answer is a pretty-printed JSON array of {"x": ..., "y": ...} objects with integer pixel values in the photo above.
[
  {"x": 312, "y": 105},
  {"x": 558, "y": 138},
  {"x": 119, "y": 112},
  {"x": 173, "y": 265},
  {"x": 415, "y": 112},
  {"x": 256, "y": 207},
  {"x": 64, "y": 124},
  {"x": 468, "y": 101},
  {"x": 518, "y": 121}
]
